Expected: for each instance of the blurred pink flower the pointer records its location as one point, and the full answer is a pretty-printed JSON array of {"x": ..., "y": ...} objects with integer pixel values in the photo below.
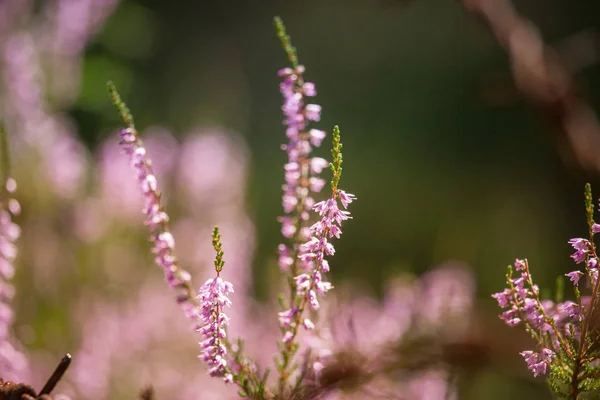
[
  {"x": 437, "y": 303},
  {"x": 122, "y": 200},
  {"x": 445, "y": 296},
  {"x": 62, "y": 157},
  {"x": 75, "y": 21},
  {"x": 431, "y": 385},
  {"x": 133, "y": 343},
  {"x": 212, "y": 169},
  {"x": 63, "y": 36}
]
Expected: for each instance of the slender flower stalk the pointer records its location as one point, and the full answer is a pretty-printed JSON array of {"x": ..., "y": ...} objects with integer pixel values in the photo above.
[
  {"x": 301, "y": 180},
  {"x": 213, "y": 300}
]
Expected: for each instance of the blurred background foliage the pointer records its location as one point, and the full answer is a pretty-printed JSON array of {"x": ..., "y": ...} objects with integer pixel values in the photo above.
[{"x": 447, "y": 158}]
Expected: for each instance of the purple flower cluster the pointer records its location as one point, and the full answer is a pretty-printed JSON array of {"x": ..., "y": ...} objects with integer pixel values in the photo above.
[
  {"x": 301, "y": 171},
  {"x": 555, "y": 326},
  {"x": 538, "y": 362},
  {"x": 157, "y": 219},
  {"x": 585, "y": 252},
  {"x": 313, "y": 253},
  {"x": 213, "y": 299}
]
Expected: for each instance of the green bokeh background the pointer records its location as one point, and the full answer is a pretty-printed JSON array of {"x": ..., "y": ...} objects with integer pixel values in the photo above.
[{"x": 446, "y": 157}]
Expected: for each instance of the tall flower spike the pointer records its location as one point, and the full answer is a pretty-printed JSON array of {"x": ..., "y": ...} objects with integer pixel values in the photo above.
[
  {"x": 12, "y": 362},
  {"x": 301, "y": 178},
  {"x": 213, "y": 300},
  {"x": 301, "y": 171},
  {"x": 156, "y": 218}
]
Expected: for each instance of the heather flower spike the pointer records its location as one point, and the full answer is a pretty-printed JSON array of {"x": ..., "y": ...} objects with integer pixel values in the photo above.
[
  {"x": 566, "y": 332},
  {"x": 303, "y": 256},
  {"x": 213, "y": 300},
  {"x": 12, "y": 362}
]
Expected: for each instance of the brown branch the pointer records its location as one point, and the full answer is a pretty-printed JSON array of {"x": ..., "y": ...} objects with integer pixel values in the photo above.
[{"x": 543, "y": 78}]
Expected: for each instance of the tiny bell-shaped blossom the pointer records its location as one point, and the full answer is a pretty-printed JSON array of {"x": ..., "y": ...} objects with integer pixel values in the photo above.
[
  {"x": 574, "y": 276},
  {"x": 538, "y": 362},
  {"x": 582, "y": 248}
]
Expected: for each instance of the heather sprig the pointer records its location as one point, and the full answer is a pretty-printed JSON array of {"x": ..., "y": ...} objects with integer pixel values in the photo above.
[
  {"x": 213, "y": 300},
  {"x": 566, "y": 332}
]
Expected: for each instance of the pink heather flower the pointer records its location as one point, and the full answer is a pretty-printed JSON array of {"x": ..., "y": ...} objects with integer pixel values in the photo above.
[
  {"x": 503, "y": 298},
  {"x": 287, "y": 337},
  {"x": 538, "y": 362},
  {"x": 571, "y": 310},
  {"x": 285, "y": 261},
  {"x": 582, "y": 247},
  {"x": 519, "y": 264},
  {"x": 288, "y": 226},
  {"x": 61, "y": 155},
  {"x": 213, "y": 299},
  {"x": 574, "y": 276},
  {"x": 579, "y": 243},
  {"x": 552, "y": 324},
  {"x": 314, "y": 251},
  {"x": 346, "y": 198},
  {"x": 308, "y": 324},
  {"x": 317, "y": 164},
  {"x": 316, "y": 137},
  {"x": 595, "y": 228},
  {"x": 313, "y": 112},
  {"x": 286, "y": 318}
]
